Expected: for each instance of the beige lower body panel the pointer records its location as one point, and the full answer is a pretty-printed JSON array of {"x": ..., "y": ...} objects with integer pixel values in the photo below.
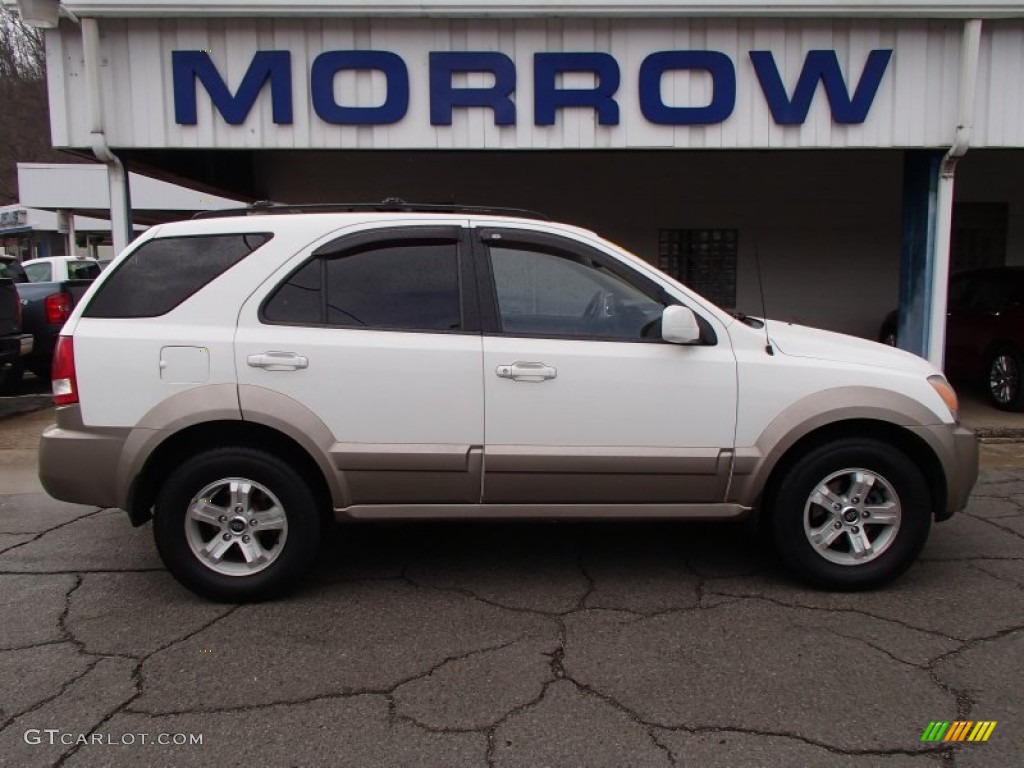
[
  {"x": 604, "y": 475},
  {"x": 542, "y": 512}
]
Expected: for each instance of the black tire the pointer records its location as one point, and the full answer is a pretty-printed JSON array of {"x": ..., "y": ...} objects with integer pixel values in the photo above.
[
  {"x": 795, "y": 517},
  {"x": 175, "y": 528},
  {"x": 1003, "y": 379}
]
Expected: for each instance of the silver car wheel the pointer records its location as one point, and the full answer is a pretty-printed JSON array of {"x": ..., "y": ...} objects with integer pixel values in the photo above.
[
  {"x": 852, "y": 517},
  {"x": 236, "y": 527},
  {"x": 1004, "y": 378}
]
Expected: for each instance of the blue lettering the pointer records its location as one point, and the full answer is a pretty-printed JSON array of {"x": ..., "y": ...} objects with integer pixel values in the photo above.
[
  {"x": 444, "y": 98},
  {"x": 723, "y": 87},
  {"x": 548, "y": 98},
  {"x": 330, "y": 63},
  {"x": 820, "y": 66},
  {"x": 189, "y": 66}
]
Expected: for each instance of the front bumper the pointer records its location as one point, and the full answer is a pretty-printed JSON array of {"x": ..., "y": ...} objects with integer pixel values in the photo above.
[
  {"x": 957, "y": 450},
  {"x": 79, "y": 464},
  {"x": 964, "y": 473}
]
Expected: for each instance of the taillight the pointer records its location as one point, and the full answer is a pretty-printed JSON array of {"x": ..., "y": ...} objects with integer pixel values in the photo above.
[
  {"x": 58, "y": 308},
  {"x": 65, "y": 383}
]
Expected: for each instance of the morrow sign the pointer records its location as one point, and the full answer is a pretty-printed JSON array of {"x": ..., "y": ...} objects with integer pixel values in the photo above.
[{"x": 272, "y": 70}]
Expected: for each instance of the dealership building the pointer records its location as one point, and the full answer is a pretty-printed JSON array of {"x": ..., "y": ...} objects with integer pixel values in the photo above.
[{"x": 826, "y": 160}]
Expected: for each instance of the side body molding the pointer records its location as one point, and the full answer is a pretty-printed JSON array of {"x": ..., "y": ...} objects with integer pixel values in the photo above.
[{"x": 754, "y": 464}]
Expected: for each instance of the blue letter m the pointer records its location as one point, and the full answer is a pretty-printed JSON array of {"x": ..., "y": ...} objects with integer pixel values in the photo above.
[
  {"x": 188, "y": 66},
  {"x": 823, "y": 66}
]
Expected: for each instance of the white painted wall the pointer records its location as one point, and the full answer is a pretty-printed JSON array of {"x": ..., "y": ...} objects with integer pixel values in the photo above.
[{"x": 915, "y": 104}]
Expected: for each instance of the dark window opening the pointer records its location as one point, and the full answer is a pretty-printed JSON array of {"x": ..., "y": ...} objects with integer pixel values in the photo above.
[
  {"x": 703, "y": 259},
  {"x": 407, "y": 285},
  {"x": 162, "y": 273}
]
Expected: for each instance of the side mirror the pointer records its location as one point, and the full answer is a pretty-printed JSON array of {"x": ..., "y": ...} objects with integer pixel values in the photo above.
[{"x": 679, "y": 325}]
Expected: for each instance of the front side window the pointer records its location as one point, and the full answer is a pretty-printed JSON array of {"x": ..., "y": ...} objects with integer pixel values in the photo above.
[
  {"x": 547, "y": 293},
  {"x": 404, "y": 285}
]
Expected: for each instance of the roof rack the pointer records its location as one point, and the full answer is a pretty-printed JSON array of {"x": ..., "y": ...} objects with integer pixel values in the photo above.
[{"x": 390, "y": 205}]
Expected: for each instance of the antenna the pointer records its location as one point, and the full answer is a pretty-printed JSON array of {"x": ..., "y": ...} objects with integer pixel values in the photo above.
[{"x": 760, "y": 288}]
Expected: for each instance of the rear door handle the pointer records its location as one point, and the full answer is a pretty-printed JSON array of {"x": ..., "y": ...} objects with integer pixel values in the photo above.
[
  {"x": 278, "y": 361},
  {"x": 535, "y": 372}
]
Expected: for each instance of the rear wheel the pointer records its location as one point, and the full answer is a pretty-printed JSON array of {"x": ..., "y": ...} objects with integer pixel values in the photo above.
[
  {"x": 851, "y": 514},
  {"x": 1005, "y": 369},
  {"x": 237, "y": 524}
]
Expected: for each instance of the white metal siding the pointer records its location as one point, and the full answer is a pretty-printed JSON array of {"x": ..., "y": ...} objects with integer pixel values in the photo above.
[{"x": 915, "y": 105}]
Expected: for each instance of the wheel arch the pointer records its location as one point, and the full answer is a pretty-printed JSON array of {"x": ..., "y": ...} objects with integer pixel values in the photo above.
[
  {"x": 916, "y": 449},
  {"x": 195, "y": 438},
  {"x": 834, "y": 414}
]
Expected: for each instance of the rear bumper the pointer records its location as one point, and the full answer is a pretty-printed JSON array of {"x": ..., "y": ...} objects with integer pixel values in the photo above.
[{"x": 79, "y": 464}]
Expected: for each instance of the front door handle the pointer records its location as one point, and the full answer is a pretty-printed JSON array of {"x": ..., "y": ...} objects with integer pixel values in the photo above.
[
  {"x": 535, "y": 372},
  {"x": 278, "y": 361}
]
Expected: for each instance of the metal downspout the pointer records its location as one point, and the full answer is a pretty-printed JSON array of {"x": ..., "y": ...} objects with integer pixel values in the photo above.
[
  {"x": 117, "y": 178},
  {"x": 969, "y": 53}
]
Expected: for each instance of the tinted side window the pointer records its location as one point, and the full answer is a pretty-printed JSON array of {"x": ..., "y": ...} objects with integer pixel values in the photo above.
[
  {"x": 408, "y": 285},
  {"x": 162, "y": 273},
  {"x": 404, "y": 285},
  {"x": 299, "y": 299},
  {"x": 544, "y": 293}
]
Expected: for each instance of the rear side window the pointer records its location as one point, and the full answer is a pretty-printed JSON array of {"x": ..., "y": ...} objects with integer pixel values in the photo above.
[
  {"x": 38, "y": 273},
  {"x": 405, "y": 285},
  {"x": 161, "y": 273}
]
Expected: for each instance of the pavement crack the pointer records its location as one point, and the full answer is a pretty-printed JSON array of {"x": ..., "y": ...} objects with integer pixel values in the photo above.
[
  {"x": 36, "y": 536},
  {"x": 345, "y": 693},
  {"x": 991, "y": 521},
  {"x": 648, "y": 728},
  {"x": 591, "y": 584},
  {"x": 840, "y": 611},
  {"x": 868, "y": 643},
  {"x": 805, "y": 740},
  {"x": 60, "y": 692},
  {"x": 463, "y": 592}
]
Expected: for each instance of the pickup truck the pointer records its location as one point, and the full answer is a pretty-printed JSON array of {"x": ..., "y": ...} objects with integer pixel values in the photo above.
[
  {"x": 14, "y": 345},
  {"x": 45, "y": 308},
  {"x": 57, "y": 269}
]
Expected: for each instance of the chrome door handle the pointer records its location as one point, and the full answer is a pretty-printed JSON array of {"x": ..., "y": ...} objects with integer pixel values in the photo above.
[
  {"x": 535, "y": 372},
  {"x": 278, "y": 361}
]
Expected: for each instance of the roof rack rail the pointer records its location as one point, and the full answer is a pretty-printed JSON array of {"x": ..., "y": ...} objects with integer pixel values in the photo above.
[{"x": 390, "y": 205}]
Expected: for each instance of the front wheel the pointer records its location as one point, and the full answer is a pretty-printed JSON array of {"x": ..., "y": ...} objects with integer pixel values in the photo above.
[
  {"x": 237, "y": 524},
  {"x": 851, "y": 514}
]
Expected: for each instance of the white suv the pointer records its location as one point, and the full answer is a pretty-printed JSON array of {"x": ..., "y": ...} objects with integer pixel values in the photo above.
[{"x": 239, "y": 379}]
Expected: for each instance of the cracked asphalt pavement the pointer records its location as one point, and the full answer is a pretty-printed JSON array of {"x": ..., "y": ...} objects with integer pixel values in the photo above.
[{"x": 506, "y": 645}]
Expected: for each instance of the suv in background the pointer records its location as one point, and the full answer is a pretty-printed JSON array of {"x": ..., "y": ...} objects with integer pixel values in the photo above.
[
  {"x": 242, "y": 379},
  {"x": 984, "y": 333}
]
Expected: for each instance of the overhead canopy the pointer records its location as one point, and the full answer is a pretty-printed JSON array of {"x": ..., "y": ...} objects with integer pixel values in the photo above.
[{"x": 83, "y": 189}]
